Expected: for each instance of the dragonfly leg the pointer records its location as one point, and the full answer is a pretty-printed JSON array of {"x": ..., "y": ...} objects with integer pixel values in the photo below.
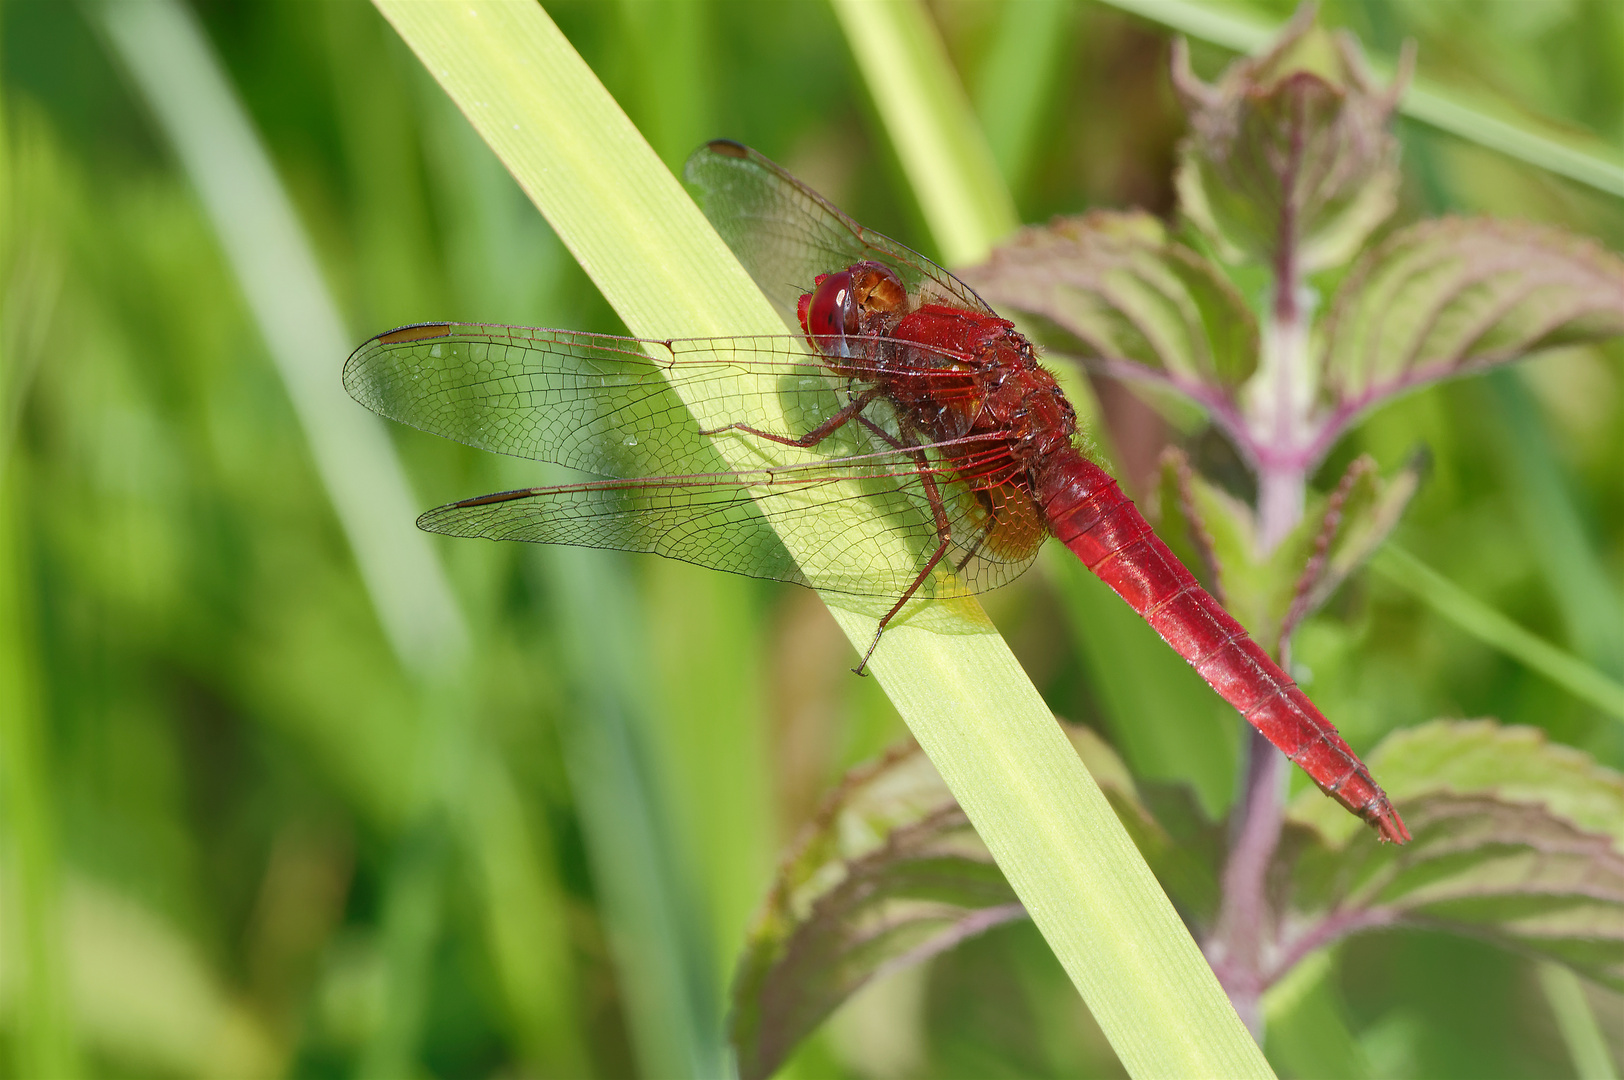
[
  {"x": 944, "y": 533},
  {"x": 959, "y": 566},
  {"x": 992, "y": 516},
  {"x": 851, "y": 409},
  {"x": 896, "y": 443}
]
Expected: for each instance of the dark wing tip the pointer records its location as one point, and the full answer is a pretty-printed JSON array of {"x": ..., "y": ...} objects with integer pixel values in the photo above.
[
  {"x": 448, "y": 521},
  {"x": 728, "y": 148},
  {"x": 355, "y": 374},
  {"x": 414, "y": 332}
]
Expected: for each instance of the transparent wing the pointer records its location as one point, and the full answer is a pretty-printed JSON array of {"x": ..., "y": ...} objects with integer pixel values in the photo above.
[
  {"x": 593, "y": 402},
  {"x": 726, "y": 521},
  {"x": 786, "y": 234},
  {"x": 602, "y": 404}
]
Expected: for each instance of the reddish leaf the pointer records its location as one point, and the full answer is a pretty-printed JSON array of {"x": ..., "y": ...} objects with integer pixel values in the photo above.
[
  {"x": 1289, "y": 160},
  {"x": 888, "y": 874},
  {"x": 1128, "y": 298},
  {"x": 1516, "y": 841},
  {"x": 1457, "y": 295}
]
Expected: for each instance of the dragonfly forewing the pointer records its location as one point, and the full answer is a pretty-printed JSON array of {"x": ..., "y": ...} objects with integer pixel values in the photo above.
[
  {"x": 786, "y": 234},
  {"x": 591, "y": 402}
]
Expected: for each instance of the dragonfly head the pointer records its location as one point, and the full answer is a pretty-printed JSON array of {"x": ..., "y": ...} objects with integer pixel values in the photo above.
[{"x": 839, "y": 303}]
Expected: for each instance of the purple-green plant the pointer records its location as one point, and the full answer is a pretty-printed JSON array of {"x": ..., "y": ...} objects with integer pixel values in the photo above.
[{"x": 1285, "y": 307}]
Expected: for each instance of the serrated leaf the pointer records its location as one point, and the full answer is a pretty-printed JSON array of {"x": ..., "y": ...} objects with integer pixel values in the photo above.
[
  {"x": 1369, "y": 515},
  {"x": 1289, "y": 160},
  {"x": 1457, "y": 295},
  {"x": 1516, "y": 840},
  {"x": 1126, "y": 296},
  {"x": 1518, "y": 764},
  {"x": 1513, "y": 873},
  {"x": 1354, "y": 520},
  {"x": 890, "y": 873}
]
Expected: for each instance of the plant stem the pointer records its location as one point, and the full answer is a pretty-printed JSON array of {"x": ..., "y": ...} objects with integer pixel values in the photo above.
[
  {"x": 1281, "y": 406},
  {"x": 1281, "y": 493},
  {"x": 1236, "y": 949}
]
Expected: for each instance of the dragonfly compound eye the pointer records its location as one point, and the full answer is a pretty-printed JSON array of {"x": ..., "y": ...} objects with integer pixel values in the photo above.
[
  {"x": 877, "y": 288},
  {"x": 829, "y": 313}
]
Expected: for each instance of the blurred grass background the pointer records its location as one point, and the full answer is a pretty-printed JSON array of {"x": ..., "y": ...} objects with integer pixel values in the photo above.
[{"x": 242, "y": 836}]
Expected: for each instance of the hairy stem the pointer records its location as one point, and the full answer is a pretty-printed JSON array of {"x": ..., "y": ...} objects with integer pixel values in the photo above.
[
  {"x": 1281, "y": 493},
  {"x": 1237, "y": 948},
  {"x": 1281, "y": 408}
]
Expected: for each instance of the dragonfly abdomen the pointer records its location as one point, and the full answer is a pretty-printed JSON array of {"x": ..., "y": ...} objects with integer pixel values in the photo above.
[{"x": 1087, "y": 511}]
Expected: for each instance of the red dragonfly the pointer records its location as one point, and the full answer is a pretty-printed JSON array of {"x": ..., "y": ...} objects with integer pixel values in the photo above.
[{"x": 917, "y": 396}]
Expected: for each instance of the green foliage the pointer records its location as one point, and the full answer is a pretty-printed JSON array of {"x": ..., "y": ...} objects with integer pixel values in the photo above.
[
  {"x": 1515, "y": 841},
  {"x": 1122, "y": 291},
  {"x": 233, "y": 762},
  {"x": 1289, "y": 156},
  {"x": 888, "y": 874},
  {"x": 1454, "y": 296}
]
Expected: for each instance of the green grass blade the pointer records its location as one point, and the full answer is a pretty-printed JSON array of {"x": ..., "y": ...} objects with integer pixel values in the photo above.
[
  {"x": 412, "y": 923},
  {"x": 673, "y": 1009},
  {"x": 646, "y": 246},
  {"x": 504, "y": 257},
  {"x": 172, "y": 65},
  {"x": 1587, "y": 1045},
  {"x": 928, "y": 116},
  {"x": 525, "y": 915},
  {"x": 1554, "y": 528},
  {"x": 170, "y": 61},
  {"x": 1492, "y": 628},
  {"x": 33, "y": 957},
  {"x": 41, "y": 1014},
  {"x": 1589, "y": 161},
  {"x": 1017, "y": 80}
]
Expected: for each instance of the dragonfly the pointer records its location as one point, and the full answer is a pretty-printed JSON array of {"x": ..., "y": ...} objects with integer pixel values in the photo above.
[{"x": 902, "y": 391}]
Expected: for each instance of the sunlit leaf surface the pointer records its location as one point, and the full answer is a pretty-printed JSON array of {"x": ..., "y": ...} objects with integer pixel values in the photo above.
[
  {"x": 1457, "y": 295},
  {"x": 889, "y": 873},
  {"x": 1124, "y": 294},
  {"x": 1516, "y": 840}
]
